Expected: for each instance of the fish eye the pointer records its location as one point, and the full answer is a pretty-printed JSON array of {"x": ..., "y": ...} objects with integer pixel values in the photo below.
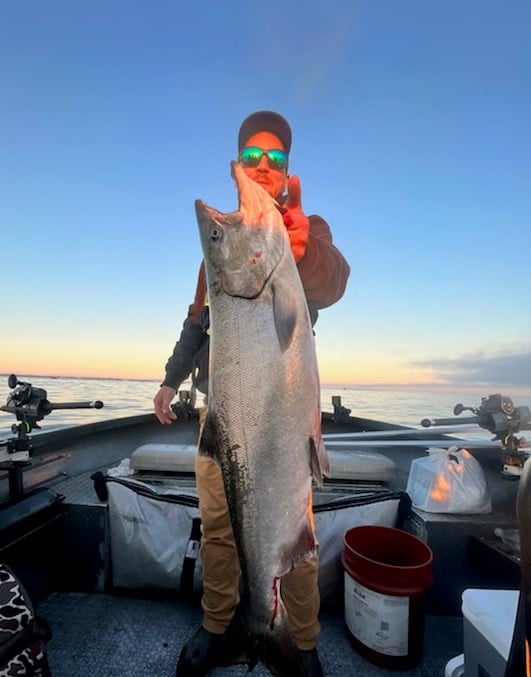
[{"x": 216, "y": 233}]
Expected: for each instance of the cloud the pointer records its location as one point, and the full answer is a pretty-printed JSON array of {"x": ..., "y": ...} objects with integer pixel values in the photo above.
[{"x": 511, "y": 369}]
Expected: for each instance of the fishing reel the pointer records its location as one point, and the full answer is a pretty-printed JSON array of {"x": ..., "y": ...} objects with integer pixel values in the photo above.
[
  {"x": 498, "y": 415},
  {"x": 341, "y": 413},
  {"x": 184, "y": 408},
  {"x": 27, "y": 403},
  {"x": 30, "y": 405}
]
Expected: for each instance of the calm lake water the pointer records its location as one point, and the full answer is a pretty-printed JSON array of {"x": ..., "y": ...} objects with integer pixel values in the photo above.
[{"x": 129, "y": 397}]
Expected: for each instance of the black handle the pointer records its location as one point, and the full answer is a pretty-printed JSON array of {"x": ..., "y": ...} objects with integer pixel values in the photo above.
[
  {"x": 427, "y": 423},
  {"x": 95, "y": 404}
]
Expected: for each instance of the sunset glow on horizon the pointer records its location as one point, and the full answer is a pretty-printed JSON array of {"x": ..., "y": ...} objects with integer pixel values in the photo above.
[{"x": 411, "y": 139}]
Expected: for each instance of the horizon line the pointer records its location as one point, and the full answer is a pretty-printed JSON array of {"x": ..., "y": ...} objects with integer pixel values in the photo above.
[{"x": 357, "y": 386}]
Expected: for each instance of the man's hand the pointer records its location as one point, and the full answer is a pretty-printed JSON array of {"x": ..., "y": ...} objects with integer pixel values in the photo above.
[
  {"x": 161, "y": 402},
  {"x": 296, "y": 222}
]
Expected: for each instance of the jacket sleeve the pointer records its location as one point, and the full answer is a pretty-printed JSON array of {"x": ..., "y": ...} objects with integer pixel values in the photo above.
[
  {"x": 323, "y": 269},
  {"x": 181, "y": 362}
]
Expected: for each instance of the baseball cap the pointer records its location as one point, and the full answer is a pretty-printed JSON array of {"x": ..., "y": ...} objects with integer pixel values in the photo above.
[{"x": 265, "y": 121}]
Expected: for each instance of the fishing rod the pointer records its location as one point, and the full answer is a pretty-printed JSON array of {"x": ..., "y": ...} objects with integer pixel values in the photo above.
[
  {"x": 399, "y": 432},
  {"x": 441, "y": 443},
  {"x": 496, "y": 413},
  {"x": 30, "y": 405}
]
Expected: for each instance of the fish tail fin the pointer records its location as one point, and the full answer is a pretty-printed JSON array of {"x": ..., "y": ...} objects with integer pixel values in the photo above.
[
  {"x": 275, "y": 648},
  {"x": 279, "y": 652},
  {"x": 237, "y": 644}
]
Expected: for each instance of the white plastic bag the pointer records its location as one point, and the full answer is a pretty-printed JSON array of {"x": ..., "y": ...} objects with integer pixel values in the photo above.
[{"x": 448, "y": 481}]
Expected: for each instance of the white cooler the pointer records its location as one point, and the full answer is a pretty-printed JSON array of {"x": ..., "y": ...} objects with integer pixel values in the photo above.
[{"x": 488, "y": 624}]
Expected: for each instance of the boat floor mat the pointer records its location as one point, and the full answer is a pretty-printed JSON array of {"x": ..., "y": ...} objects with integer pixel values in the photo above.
[{"x": 97, "y": 635}]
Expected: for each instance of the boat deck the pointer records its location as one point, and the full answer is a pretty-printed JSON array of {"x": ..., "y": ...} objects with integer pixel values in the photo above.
[
  {"x": 99, "y": 631},
  {"x": 99, "y": 635},
  {"x": 140, "y": 634}
]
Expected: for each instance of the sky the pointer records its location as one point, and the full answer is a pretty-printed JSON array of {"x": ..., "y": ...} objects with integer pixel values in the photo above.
[{"x": 411, "y": 137}]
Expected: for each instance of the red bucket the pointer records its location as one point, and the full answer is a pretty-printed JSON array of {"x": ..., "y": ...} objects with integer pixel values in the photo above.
[{"x": 387, "y": 575}]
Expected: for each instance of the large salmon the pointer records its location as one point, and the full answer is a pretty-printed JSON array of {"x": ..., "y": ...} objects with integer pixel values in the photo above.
[{"x": 264, "y": 422}]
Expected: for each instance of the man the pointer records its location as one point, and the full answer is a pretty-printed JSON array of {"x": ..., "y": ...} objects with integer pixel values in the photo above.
[{"x": 264, "y": 142}]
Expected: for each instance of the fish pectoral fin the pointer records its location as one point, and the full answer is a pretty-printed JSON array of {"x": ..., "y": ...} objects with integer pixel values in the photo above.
[
  {"x": 301, "y": 547},
  {"x": 284, "y": 313},
  {"x": 319, "y": 463}
]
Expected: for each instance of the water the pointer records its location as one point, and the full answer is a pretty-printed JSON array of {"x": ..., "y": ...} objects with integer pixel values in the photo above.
[{"x": 123, "y": 398}]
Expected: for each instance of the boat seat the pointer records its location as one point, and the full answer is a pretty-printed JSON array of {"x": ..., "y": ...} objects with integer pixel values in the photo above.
[
  {"x": 175, "y": 458},
  {"x": 349, "y": 465},
  {"x": 362, "y": 466}
]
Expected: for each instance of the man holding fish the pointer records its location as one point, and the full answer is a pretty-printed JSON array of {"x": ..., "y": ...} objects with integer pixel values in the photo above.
[{"x": 256, "y": 328}]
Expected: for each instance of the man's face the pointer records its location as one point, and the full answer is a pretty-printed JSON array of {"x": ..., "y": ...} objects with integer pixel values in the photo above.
[{"x": 273, "y": 180}]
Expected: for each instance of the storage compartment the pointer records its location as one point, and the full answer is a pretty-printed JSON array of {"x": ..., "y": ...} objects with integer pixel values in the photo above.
[
  {"x": 154, "y": 521},
  {"x": 454, "y": 569},
  {"x": 31, "y": 540}
]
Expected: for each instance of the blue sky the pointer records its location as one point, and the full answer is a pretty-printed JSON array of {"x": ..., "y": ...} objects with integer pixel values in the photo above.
[{"x": 411, "y": 138}]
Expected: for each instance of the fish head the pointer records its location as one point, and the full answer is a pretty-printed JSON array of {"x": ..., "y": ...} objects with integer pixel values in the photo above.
[{"x": 242, "y": 248}]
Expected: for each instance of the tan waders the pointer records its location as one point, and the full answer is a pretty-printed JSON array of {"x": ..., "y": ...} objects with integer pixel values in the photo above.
[{"x": 299, "y": 588}]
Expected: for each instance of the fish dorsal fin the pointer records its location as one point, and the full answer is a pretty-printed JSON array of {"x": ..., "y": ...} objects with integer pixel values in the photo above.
[
  {"x": 284, "y": 313},
  {"x": 209, "y": 440},
  {"x": 319, "y": 463}
]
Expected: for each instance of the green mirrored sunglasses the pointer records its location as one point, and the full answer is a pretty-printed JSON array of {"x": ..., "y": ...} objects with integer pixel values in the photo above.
[{"x": 250, "y": 156}]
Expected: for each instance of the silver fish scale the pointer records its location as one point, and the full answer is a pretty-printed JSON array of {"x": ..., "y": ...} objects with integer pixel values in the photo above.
[{"x": 263, "y": 395}]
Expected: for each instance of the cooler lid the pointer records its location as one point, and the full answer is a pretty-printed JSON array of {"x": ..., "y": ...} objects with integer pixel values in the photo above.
[
  {"x": 164, "y": 458},
  {"x": 357, "y": 464},
  {"x": 493, "y": 614}
]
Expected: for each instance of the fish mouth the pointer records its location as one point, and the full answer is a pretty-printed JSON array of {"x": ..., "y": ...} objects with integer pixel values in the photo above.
[{"x": 206, "y": 213}]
